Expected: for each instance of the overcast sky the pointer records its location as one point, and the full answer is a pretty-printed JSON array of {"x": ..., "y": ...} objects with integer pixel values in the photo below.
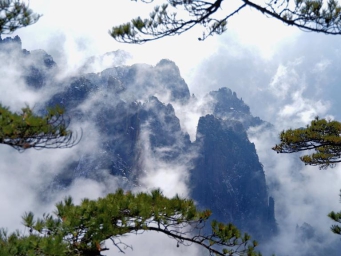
[{"x": 286, "y": 76}]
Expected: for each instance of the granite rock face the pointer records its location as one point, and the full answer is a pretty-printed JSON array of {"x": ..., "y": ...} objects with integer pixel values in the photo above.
[
  {"x": 229, "y": 179},
  {"x": 131, "y": 109}
]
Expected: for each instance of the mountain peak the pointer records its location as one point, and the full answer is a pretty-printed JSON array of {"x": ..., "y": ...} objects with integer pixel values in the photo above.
[
  {"x": 226, "y": 105},
  {"x": 10, "y": 43},
  {"x": 168, "y": 64},
  {"x": 227, "y": 101},
  {"x": 168, "y": 74}
]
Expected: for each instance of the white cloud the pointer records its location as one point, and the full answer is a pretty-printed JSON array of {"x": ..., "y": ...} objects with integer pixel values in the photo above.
[
  {"x": 190, "y": 113},
  {"x": 170, "y": 176}
]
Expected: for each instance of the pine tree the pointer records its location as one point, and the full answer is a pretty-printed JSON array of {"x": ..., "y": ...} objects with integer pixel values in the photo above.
[
  {"x": 26, "y": 130},
  {"x": 15, "y": 14},
  {"x": 83, "y": 229},
  {"x": 309, "y": 15},
  {"x": 321, "y": 136}
]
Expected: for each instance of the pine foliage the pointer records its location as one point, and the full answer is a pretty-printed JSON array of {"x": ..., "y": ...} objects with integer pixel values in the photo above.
[
  {"x": 84, "y": 229},
  {"x": 27, "y": 130},
  {"x": 15, "y": 14},
  {"x": 309, "y": 15},
  {"x": 321, "y": 136}
]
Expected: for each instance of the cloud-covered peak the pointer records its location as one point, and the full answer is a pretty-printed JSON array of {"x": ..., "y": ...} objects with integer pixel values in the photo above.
[
  {"x": 226, "y": 105},
  {"x": 10, "y": 43}
]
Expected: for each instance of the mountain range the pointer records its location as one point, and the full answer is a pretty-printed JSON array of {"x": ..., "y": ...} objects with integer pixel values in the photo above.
[{"x": 138, "y": 112}]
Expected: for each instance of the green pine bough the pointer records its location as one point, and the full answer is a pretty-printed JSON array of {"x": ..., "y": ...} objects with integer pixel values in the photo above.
[
  {"x": 15, "y": 14},
  {"x": 322, "y": 136},
  {"x": 86, "y": 228},
  {"x": 25, "y": 129},
  {"x": 322, "y": 16}
]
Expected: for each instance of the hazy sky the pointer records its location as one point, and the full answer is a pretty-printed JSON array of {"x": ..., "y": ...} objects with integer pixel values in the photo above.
[{"x": 286, "y": 76}]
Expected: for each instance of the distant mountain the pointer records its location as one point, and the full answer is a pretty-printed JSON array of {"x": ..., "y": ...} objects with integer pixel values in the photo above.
[
  {"x": 132, "y": 109},
  {"x": 38, "y": 67},
  {"x": 227, "y": 106}
]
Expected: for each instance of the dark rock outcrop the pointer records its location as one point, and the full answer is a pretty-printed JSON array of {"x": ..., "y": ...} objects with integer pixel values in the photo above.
[
  {"x": 226, "y": 105},
  {"x": 168, "y": 75},
  {"x": 229, "y": 179}
]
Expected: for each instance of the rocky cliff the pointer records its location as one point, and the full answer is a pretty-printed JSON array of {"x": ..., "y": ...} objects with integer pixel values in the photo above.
[{"x": 229, "y": 179}]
